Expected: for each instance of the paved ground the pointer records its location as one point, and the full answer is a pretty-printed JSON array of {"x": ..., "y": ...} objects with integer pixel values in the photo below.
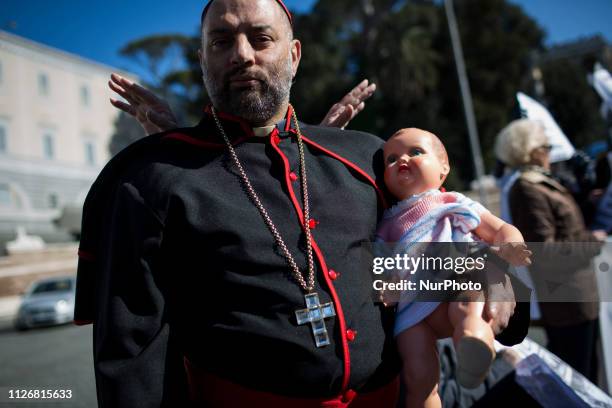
[
  {"x": 48, "y": 358},
  {"x": 53, "y": 358}
]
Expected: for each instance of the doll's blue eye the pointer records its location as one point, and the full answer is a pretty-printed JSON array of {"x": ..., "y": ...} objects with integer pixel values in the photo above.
[
  {"x": 391, "y": 159},
  {"x": 416, "y": 152}
]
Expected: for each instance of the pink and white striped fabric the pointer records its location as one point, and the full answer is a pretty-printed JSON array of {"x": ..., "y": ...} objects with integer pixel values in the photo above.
[{"x": 431, "y": 216}]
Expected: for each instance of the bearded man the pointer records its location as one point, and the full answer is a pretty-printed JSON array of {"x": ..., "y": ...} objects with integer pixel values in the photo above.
[{"x": 220, "y": 264}]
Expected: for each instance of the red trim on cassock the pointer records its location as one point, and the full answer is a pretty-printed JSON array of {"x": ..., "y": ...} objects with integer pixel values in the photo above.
[
  {"x": 199, "y": 142},
  {"x": 215, "y": 392},
  {"x": 287, "y": 168},
  {"x": 88, "y": 256},
  {"x": 246, "y": 128},
  {"x": 320, "y": 258},
  {"x": 352, "y": 166},
  {"x": 82, "y": 322},
  {"x": 288, "y": 118},
  {"x": 340, "y": 315}
]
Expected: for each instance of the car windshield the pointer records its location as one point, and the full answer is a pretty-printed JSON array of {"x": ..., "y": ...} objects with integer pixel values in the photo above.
[{"x": 53, "y": 286}]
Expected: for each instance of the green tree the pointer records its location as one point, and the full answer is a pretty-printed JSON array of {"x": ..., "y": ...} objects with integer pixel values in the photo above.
[
  {"x": 573, "y": 102},
  {"x": 404, "y": 46},
  {"x": 159, "y": 55},
  {"x": 498, "y": 41}
]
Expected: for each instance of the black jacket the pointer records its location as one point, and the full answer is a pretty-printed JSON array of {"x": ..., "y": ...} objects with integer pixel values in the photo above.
[{"x": 176, "y": 262}]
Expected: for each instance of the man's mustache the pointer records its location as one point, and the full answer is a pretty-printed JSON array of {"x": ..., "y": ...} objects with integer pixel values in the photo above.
[{"x": 244, "y": 72}]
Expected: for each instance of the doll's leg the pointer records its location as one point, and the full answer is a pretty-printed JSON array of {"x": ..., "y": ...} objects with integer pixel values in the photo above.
[
  {"x": 420, "y": 366},
  {"x": 473, "y": 339}
]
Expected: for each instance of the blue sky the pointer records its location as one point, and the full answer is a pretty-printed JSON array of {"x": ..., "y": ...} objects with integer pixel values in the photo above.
[{"x": 97, "y": 29}]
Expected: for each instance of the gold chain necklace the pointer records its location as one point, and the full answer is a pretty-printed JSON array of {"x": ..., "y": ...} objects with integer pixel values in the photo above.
[{"x": 315, "y": 313}]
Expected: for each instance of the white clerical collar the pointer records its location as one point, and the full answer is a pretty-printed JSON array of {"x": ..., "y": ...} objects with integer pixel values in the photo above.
[{"x": 263, "y": 131}]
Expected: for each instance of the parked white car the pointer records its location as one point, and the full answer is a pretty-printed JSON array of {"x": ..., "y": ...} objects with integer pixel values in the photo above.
[{"x": 47, "y": 302}]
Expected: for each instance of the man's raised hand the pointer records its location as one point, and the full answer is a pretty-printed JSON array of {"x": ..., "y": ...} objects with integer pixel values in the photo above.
[
  {"x": 349, "y": 106},
  {"x": 153, "y": 114}
]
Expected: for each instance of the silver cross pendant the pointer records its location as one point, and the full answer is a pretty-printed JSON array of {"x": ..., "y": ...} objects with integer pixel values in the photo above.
[{"x": 315, "y": 314}]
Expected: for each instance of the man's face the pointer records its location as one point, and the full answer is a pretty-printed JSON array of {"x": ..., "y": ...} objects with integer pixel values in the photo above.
[
  {"x": 412, "y": 164},
  {"x": 248, "y": 58}
]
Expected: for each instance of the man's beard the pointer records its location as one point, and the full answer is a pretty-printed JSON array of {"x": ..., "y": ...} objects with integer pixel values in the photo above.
[{"x": 255, "y": 104}]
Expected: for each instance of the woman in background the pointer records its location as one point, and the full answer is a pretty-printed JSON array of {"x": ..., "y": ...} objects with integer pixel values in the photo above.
[{"x": 545, "y": 211}]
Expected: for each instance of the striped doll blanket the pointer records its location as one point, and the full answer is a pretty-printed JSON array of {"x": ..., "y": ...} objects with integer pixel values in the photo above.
[{"x": 432, "y": 216}]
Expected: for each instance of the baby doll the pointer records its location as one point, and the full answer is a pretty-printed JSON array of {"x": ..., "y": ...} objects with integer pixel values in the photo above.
[{"x": 416, "y": 165}]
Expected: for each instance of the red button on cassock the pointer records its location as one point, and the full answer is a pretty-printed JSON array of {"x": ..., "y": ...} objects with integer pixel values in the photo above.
[
  {"x": 348, "y": 396},
  {"x": 333, "y": 275},
  {"x": 312, "y": 224},
  {"x": 351, "y": 334},
  {"x": 293, "y": 176}
]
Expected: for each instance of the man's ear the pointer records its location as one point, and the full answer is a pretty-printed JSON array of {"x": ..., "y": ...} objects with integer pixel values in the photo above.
[
  {"x": 201, "y": 57},
  {"x": 296, "y": 55}
]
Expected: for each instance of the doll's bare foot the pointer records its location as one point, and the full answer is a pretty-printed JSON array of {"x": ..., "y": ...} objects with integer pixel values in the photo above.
[
  {"x": 474, "y": 358},
  {"x": 511, "y": 357},
  {"x": 473, "y": 338}
]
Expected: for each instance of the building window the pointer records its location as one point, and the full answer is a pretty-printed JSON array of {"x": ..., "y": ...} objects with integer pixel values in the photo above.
[
  {"x": 84, "y": 95},
  {"x": 5, "y": 195},
  {"x": 3, "y": 147},
  {"x": 53, "y": 201},
  {"x": 48, "y": 148},
  {"x": 43, "y": 84},
  {"x": 10, "y": 197},
  {"x": 90, "y": 153}
]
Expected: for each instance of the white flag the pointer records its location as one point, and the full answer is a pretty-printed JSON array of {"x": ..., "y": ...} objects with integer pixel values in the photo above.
[
  {"x": 562, "y": 149},
  {"x": 602, "y": 82}
]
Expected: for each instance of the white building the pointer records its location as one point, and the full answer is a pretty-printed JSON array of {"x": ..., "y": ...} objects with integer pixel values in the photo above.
[{"x": 55, "y": 126}]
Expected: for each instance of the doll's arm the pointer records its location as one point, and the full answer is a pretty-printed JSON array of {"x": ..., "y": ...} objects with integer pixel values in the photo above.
[{"x": 507, "y": 239}]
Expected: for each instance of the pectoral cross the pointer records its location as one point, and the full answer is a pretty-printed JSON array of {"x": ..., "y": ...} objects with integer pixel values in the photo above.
[{"x": 315, "y": 314}]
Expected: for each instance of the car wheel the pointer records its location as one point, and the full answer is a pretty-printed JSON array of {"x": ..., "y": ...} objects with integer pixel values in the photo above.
[{"x": 21, "y": 327}]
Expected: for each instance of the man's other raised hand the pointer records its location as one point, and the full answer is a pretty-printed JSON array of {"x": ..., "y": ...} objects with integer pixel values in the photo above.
[
  {"x": 349, "y": 106},
  {"x": 153, "y": 114}
]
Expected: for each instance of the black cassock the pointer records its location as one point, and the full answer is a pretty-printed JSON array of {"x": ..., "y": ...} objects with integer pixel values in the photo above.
[{"x": 177, "y": 264}]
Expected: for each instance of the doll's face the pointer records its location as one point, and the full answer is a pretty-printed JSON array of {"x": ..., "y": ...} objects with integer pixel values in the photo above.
[{"x": 413, "y": 164}]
